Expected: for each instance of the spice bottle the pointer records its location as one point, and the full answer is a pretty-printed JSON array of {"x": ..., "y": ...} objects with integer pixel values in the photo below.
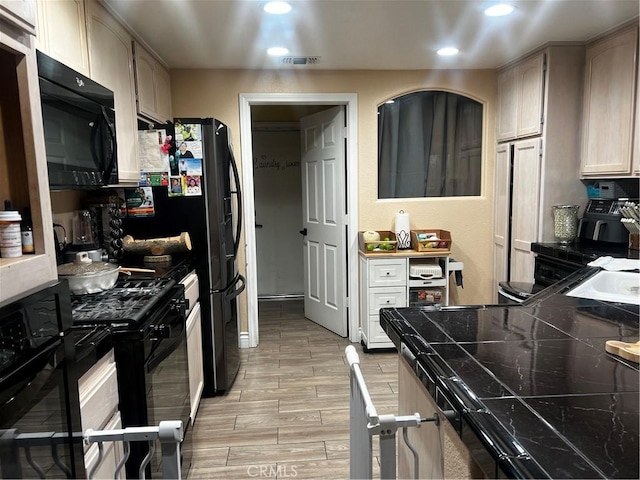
[
  {"x": 26, "y": 232},
  {"x": 10, "y": 239}
]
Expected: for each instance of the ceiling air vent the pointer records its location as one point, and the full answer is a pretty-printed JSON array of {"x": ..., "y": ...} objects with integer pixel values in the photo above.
[{"x": 300, "y": 60}]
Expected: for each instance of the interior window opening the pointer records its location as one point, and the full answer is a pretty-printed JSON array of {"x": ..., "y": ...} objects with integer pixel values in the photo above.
[{"x": 429, "y": 145}]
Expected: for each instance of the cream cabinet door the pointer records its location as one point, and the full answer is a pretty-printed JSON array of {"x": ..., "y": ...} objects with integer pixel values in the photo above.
[
  {"x": 608, "y": 115},
  {"x": 20, "y": 12},
  {"x": 521, "y": 99},
  {"x": 530, "y": 84},
  {"x": 163, "y": 94},
  {"x": 194, "y": 358},
  {"x": 111, "y": 61},
  {"x": 153, "y": 86},
  {"x": 501, "y": 216},
  {"x": 635, "y": 163},
  {"x": 525, "y": 208},
  {"x": 62, "y": 33},
  {"x": 507, "y": 97},
  {"x": 145, "y": 66}
]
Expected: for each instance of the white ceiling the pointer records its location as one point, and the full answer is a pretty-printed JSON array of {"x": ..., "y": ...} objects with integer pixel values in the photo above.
[{"x": 362, "y": 34}]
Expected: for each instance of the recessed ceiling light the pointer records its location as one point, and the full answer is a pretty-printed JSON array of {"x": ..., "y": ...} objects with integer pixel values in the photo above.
[
  {"x": 277, "y": 51},
  {"x": 498, "y": 10},
  {"x": 277, "y": 8},
  {"x": 447, "y": 51}
]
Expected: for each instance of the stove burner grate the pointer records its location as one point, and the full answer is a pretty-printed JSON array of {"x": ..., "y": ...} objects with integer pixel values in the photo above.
[{"x": 123, "y": 303}]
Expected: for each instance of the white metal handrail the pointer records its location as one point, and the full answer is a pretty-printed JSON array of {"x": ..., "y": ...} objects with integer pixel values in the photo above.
[
  {"x": 168, "y": 432},
  {"x": 365, "y": 423}
]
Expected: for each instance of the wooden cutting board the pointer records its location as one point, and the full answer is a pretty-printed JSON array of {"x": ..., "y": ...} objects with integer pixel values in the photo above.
[{"x": 627, "y": 350}]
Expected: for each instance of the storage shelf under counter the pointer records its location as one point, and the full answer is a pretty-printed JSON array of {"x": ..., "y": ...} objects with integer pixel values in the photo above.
[{"x": 386, "y": 281}]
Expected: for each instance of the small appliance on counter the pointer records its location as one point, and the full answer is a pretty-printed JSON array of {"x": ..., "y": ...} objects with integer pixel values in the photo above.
[
  {"x": 83, "y": 238},
  {"x": 601, "y": 222}
]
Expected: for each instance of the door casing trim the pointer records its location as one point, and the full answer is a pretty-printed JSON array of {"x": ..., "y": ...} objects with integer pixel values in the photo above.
[{"x": 350, "y": 101}]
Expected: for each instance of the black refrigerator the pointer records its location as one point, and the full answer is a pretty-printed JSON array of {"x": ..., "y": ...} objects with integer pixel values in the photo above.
[{"x": 205, "y": 201}]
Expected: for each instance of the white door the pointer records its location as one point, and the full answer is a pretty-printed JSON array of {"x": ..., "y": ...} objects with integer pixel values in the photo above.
[{"x": 324, "y": 219}]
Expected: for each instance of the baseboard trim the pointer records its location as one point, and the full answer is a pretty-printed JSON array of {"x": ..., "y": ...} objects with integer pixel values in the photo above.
[
  {"x": 280, "y": 297},
  {"x": 244, "y": 340}
]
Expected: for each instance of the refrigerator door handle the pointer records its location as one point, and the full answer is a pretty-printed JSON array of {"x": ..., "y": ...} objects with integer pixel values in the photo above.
[
  {"x": 236, "y": 291},
  {"x": 238, "y": 193}
]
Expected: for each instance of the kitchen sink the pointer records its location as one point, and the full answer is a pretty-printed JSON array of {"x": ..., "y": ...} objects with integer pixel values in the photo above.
[{"x": 621, "y": 287}]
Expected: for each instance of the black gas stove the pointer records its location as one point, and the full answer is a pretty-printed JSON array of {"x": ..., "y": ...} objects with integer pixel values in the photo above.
[
  {"x": 146, "y": 320},
  {"x": 127, "y": 304}
]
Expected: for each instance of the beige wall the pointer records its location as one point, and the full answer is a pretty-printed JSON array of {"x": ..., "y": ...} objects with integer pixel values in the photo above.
[{"x": 215, "y": 93}]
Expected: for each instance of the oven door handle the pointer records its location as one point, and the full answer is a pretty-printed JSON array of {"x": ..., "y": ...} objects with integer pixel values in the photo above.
[{"x": 27, "y": 380}]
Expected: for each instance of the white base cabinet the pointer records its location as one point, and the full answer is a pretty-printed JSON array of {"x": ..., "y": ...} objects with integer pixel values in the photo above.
[
  {"x": 194, "y": 341},
  {"x": 98, "y": 391},
  {"x": 194, "y": 347},
  {"x": 385, "y": 282}
]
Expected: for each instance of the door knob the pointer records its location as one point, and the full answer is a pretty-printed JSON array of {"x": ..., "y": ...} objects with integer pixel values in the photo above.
[{"x": 303, "y": 232}]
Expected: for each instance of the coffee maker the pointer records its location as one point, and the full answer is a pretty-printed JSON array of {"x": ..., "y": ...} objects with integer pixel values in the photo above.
[{"x": 601, "y": 222}]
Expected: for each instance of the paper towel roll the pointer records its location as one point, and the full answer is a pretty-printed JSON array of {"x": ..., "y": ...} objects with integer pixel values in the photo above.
[{"x": 403, "y": 230}]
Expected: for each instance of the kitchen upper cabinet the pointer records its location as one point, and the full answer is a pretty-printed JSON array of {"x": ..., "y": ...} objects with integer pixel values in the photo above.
[
  {"x": 520, "y": 99},
  {"x": 62, "y": 33},
  {"x": 111, "y": 62},
  {"x": 24, "y": 180},
  {"x": 21, "y": 13},
  {"x": 609, "y": 104},
  {"x": 533, "y": 174},
  {"x": 153, "y": 86}
]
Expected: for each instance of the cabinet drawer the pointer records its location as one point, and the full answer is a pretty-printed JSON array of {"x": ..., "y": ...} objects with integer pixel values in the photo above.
[
  {"x": 377, "y": 336},
  {"x": 386, "y": 298},
  {"x": 436, "y": 282},
  {"x": 98, "y": 391},
  {"x": 191, "y": 290},
  {"x": 388, "y": 272},
  {"x": 113, "y": 452}
]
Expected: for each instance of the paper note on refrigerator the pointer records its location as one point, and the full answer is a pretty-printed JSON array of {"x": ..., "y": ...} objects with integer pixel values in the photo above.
[{"x": 151, "y": 157}]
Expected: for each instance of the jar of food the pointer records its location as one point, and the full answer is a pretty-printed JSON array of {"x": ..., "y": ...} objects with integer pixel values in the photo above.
[
  {"x": 10, "y": 236},
  {"x": 565, "y": 223}
]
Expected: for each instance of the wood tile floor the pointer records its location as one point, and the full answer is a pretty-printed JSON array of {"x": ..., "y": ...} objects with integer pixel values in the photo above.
[{"x": 287, "y": 414}]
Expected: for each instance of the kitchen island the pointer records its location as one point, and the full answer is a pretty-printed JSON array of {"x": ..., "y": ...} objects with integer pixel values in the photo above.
[{"x": 528, "y": 390}]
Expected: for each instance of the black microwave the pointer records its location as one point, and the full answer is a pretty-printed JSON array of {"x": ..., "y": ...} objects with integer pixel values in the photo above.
[{"x": 79, "y": 127}]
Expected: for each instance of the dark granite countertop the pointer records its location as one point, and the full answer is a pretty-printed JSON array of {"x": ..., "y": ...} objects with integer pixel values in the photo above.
[
  {"x": 531, "y": 390},
  {"x": 581, "y": 251}
]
